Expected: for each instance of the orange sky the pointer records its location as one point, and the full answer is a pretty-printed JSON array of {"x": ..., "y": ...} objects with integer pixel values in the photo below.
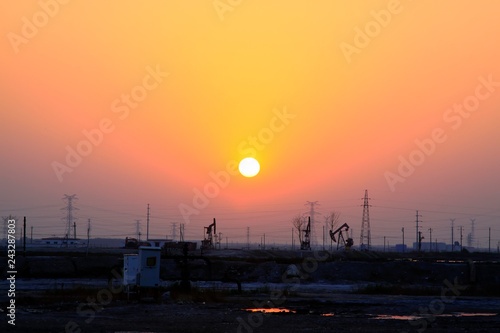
[{"x": 69, "y": 66}]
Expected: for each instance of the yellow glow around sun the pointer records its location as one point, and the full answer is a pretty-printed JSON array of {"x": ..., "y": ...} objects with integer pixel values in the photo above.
[{"x": 249, "y": 167}]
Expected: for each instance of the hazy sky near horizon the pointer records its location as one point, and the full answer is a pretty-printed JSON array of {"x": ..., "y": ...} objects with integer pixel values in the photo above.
[{"x": 126, "y": 103}]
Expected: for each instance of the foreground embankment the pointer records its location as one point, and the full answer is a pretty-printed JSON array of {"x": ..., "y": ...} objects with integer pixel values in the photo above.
[{"x": 276, "y": 267}]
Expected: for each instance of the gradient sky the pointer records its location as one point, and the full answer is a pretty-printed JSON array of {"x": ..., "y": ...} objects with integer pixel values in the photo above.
[{"x": 229, "y": 71}]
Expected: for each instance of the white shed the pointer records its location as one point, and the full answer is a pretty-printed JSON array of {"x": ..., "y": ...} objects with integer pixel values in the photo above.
[
  {"x": 130, "y": 269},
  {"x": 149, "y": 267}
]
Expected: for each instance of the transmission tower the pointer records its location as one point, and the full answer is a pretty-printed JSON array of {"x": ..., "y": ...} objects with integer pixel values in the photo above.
[
  {"x": 311, "y": 214},
  {"x": 181, "y": 232},
  {"x": 365, "y": 239},
  {"x": 174, "y": 231},
  {"x": 69, "y": 218},
  {"x": 470, "y": 238}
]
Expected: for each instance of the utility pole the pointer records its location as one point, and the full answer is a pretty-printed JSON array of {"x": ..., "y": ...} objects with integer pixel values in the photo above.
[
  {"x": 452, "y": 241},
  {"x": 461, "y": 245},
  {"x": 74, "y": 230},
  {"x": 323, "y": 238},
  {"x": 416, "y": 229},
  {"x": 489, "y": 240},
  {"x": 420, "y": 237},
  {"x": 226, "y": 243},
  {"x": 31, "y": 234},
  {"x": 147, "y": 231},
  {"x": 24, "y": 242},
  {"x": 403, "y": 231},
  {"x": 248, "y": 238},
  {"x": 430, "y": 239},
  {"x": 264, "y": 241},
  {"x": 88, "y": 237}
]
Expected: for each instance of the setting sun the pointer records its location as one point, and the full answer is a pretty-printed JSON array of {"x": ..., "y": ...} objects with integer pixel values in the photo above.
[{"x": 249, "y": 167}]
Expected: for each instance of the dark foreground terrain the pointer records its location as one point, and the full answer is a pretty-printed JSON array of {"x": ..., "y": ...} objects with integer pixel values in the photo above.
[
  {"x": 324, "y": 313},
  {"x": 343, "y": 293}
]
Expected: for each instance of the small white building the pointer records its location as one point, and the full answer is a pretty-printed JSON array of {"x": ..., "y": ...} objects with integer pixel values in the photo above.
[
  {"x": 130, "y": 269},
  {"x": 57, "y": 242},
  {"x": 148, "y": 274}
]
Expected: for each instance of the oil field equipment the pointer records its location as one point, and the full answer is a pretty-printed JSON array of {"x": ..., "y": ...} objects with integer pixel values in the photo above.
[
  {"x": 210, "y": 231},
  {"x": 306, "y": 241},
  {"x": 341, "y": 240}
]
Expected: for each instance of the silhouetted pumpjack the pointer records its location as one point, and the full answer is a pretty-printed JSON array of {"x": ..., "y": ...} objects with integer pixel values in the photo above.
[
  {"x": 347, "y": 243},
  {"x": 207, "y": 243},
  {"x": 306, "y": 243}
]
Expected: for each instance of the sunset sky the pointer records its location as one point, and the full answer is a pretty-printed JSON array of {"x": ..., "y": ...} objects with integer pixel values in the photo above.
[{"x": 401, "y": 98}]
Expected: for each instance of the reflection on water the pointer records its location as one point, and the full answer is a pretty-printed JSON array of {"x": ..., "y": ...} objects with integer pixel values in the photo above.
[
  {"x": 465, "y": 314},
  {"x": 396, "y": 317},
  {"x": 284, "y": 310},
  {"x": 271, "y": 310},
  {"x": 454, "y": 314}
]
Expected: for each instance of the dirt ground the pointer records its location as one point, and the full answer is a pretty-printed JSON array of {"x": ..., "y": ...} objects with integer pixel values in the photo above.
[
  {"x": 322, "y": 300},
  {"x": 308, "y": 313}
]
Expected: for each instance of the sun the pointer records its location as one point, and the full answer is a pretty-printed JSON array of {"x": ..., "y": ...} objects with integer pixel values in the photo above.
[{"x": 249, "y": 167}]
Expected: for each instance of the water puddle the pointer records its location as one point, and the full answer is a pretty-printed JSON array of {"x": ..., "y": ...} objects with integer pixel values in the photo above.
[
  {"x": 466, "y": 314},
  {"x": 454, "y": 314},
  {"x": 284, "y": 310},
  {"x": 271, "y": 310},
  {"x": 395, "y": 317}
]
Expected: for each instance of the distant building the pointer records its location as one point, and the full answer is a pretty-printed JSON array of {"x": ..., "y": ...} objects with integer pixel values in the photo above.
[
  {"x": 159, "y": 242},
  {"x": 432, "y": 247},
  {"x": 401, "y": 248},
  {"x": 57, "y": 242}
]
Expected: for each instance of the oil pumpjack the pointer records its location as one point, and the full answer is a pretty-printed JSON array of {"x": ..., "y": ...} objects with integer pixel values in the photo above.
[
  {"x": 347, "y": 243},
  {"x": 210, "y": 231},
  {"x": 306, "y": 242}
]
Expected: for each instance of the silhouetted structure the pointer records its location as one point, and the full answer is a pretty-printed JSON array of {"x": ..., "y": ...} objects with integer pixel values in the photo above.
[
  {"x": 69, "y": 218},
  {"x": 306, "y": 239},
  {"x": 347, "y": 243},
  {"x": 365, "y": 239},
  {"x": 210, "y": 231}
]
